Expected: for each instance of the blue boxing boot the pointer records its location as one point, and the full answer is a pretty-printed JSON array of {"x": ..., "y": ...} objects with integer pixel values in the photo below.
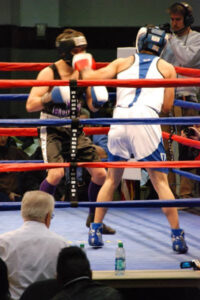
[
  {"x": 95, "y": 235},
  {"x": 178, "y": 243}
]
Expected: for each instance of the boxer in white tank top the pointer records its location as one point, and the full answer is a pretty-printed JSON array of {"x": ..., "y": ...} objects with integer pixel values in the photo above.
[{"x": 144, "y": 141}]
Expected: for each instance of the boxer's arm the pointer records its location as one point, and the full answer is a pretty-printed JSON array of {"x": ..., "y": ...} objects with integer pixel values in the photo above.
[
  {"x": 97, "y": 96},
  {"x": 108, "y": 72},
  {"x": 40, "y": 95}
]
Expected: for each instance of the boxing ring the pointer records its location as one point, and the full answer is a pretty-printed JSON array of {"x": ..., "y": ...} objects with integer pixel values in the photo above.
[{"x": 143, "y": 228}]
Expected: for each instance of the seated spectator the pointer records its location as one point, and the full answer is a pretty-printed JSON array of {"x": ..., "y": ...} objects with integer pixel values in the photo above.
[
  {"x": 14, "y": 184},
  {"x": 4, "y": 284},
  {"x": 27, "y": 143},
  {"x": 75, "y": 275},
  {"x": 10, "y": 188},
  {"x": 31, "y": 251},
  {"x": 192, "y": 132}
]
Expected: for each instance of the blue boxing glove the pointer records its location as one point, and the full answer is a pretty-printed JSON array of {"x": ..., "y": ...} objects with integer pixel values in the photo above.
[
  {"x": 99, "y": 96},
  {"x": 60, "y": 94}
]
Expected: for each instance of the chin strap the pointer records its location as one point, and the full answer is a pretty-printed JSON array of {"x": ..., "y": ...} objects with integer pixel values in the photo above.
[{"x": 68, "y": 61}]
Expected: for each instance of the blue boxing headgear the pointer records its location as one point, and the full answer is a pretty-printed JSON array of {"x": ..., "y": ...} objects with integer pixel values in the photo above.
[
  {"x": 66, "y": 45},
  {"x": 151, "y": 39}
]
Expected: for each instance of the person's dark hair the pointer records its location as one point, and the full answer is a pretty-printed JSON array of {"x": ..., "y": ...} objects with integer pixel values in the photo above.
[
  {"x": 184, "y": 9},
  {"x": 68, "y": 33},
  {"x": 4, "y": 284},
  {"x": 72, "y": 263}
]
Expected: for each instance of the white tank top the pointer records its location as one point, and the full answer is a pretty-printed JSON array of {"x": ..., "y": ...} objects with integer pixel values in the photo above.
[{"x": 144, "y": 67}]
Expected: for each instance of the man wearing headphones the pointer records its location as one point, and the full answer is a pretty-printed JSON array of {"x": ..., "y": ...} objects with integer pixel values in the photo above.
[{"x": 183, "y": 49}]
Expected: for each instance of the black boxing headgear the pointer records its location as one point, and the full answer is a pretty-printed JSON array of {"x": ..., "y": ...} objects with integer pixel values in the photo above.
[
  {"x": 188, "y": 16},
  {"x": 66, "y": 45},
  {"x": 151, "y": 39}
]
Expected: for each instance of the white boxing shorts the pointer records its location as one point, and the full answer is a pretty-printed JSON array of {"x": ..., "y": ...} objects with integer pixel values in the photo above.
[{"x": 143, "y": 141}]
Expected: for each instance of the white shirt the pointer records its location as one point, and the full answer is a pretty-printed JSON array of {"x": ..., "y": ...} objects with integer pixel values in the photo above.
[
  {"x": 30, "y": 253},
  {"x": 132, "y": 103},
  {"x": 144, "y": 67},
  {"x": 184, "y": 51}
]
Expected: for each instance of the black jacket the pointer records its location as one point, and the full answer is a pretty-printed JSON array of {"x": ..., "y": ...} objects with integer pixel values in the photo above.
[
  {"x": 41, "y": 290},
  {"x": 87, "y": 289}
]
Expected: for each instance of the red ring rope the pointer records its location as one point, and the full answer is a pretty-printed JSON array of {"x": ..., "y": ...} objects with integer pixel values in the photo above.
[
  {"x": 21, "y": 66},
  {"x": 22, "y": 167},
  {"x": 92, "y": 131},
  {"x": 109, "y": 83}
]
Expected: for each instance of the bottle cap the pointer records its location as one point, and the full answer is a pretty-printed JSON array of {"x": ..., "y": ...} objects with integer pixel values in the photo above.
[{"x": 120, "y": 245}]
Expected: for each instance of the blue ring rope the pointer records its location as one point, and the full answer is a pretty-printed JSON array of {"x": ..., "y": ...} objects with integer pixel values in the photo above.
[
  {"x": 112, "y": 97},
  {"x": 187, "y": 104},
  {"x": 192, "y": 202},
  {"x": 13, "y": 97},
  {"x": 99, "y": 121},
  {"x": 186, "y": 174}
]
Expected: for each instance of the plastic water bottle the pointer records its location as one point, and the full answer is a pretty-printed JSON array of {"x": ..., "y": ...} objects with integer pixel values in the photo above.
[
  {"x": 82, "y": 246},
  {"x": 120, "y": 260}
]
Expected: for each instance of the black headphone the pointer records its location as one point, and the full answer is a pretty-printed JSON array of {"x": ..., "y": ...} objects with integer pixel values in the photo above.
[{"x": 188, "y": 17}]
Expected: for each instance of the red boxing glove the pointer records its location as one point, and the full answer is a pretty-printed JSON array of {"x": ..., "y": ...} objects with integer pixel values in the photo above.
[{"x": 83, "y": 61}]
